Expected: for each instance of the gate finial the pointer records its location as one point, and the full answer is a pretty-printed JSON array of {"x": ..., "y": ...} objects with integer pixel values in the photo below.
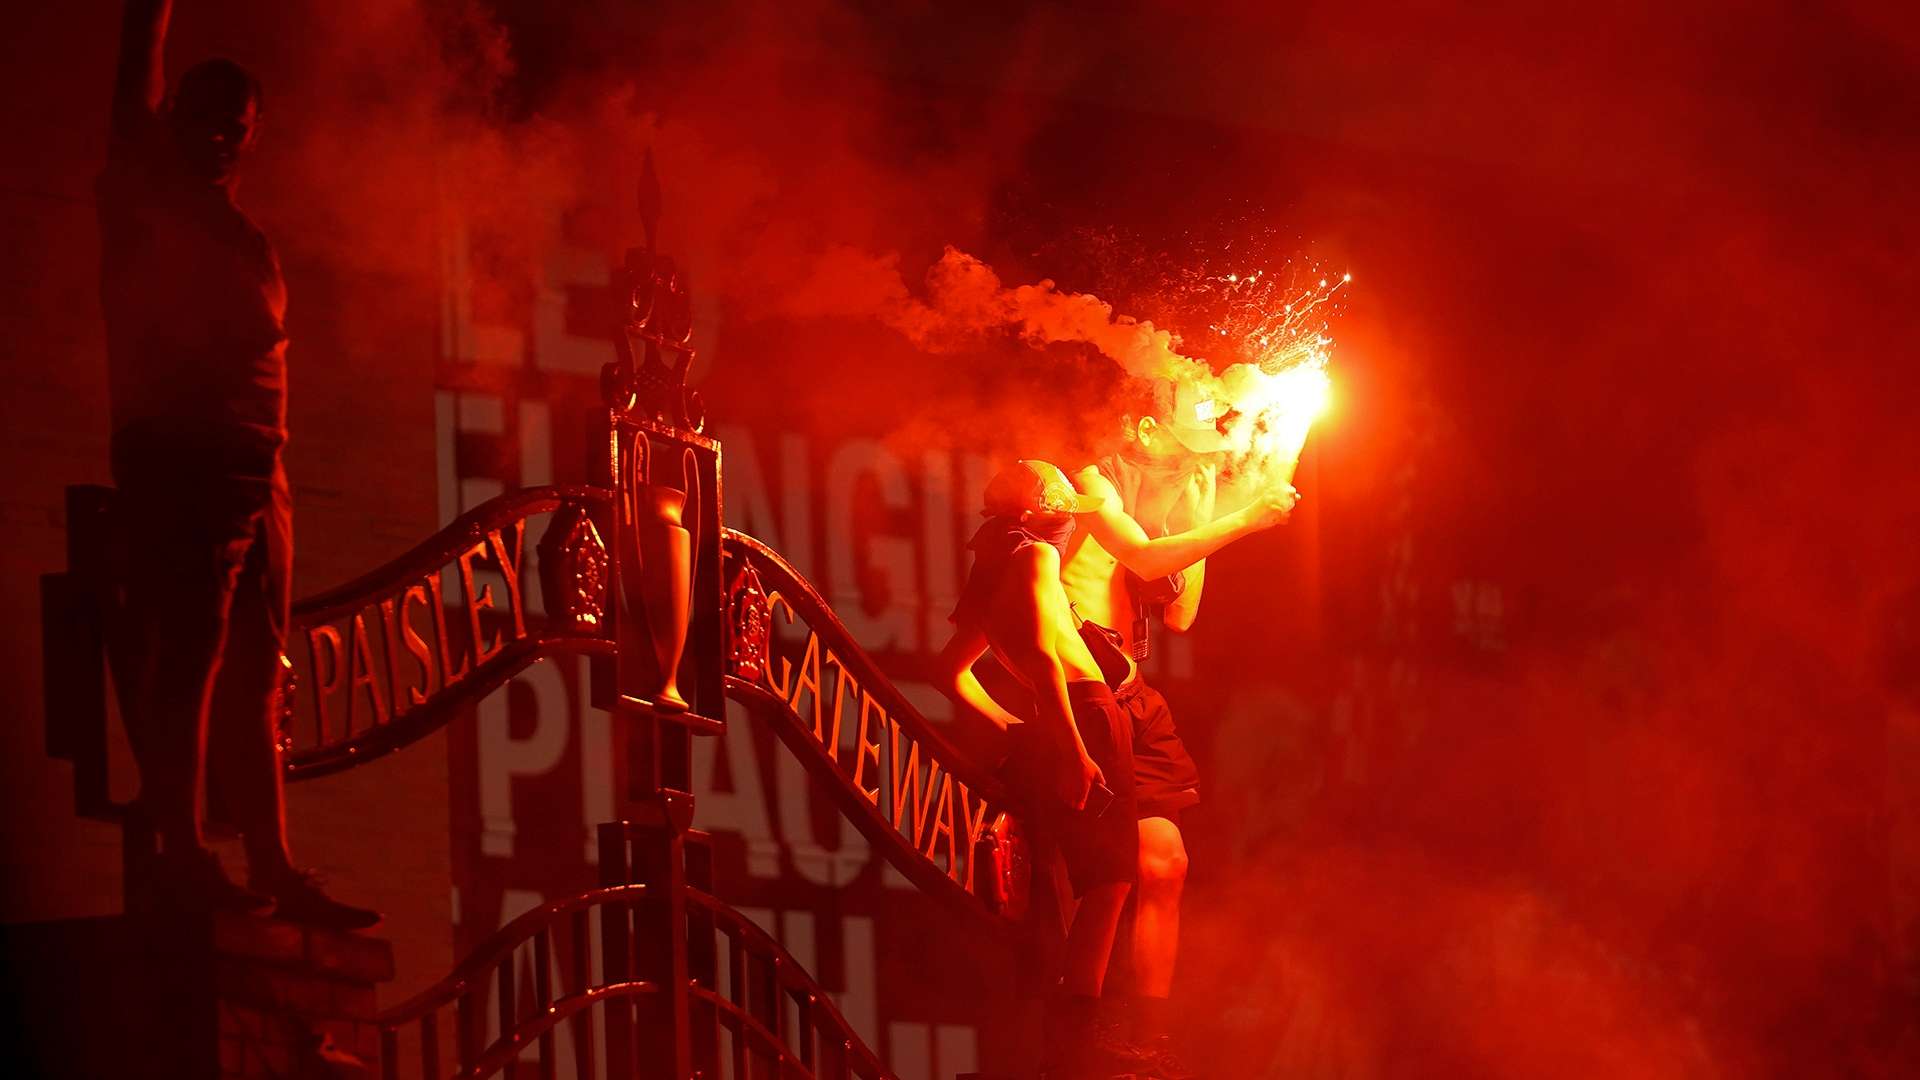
[
  {"x": 649, "y": 200},
  {"x": 655, "y": 317}
]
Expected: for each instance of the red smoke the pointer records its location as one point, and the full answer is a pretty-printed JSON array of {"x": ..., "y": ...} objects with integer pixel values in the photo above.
[
  {"x": 1579, "y": 746},
  {"x": 1628, "y": 354}
]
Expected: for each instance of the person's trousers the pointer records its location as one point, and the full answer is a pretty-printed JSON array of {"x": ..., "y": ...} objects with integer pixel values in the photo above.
[{"x": 204, "y": 620}]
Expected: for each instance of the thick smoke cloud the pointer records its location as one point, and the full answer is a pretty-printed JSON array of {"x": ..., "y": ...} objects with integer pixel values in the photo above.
[
  {"x": 964, "y": 301},
  {"x": 1626, "y": 349}
]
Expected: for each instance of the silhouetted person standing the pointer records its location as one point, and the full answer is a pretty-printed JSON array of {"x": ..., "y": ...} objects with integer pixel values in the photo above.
[{"x": 196, "y": 350}]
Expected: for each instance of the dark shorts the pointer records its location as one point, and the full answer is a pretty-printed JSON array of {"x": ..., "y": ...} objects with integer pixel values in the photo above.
[
  {"x": 1165, "y": 779},
  {"x": 1103, "y": 848}
]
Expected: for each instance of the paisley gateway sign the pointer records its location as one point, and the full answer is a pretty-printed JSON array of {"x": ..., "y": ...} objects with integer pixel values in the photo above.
[
  {"x": 894, "y": 760},
  {"x": 379, "y": 661},
  {"x": 346, "y": 660}
]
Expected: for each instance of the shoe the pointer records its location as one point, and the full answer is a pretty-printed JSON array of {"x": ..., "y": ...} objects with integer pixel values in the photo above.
[
  {"x": 298, "y": 898},
  {"x": 1110, "y": 1053},
  {"x": 1094, "y": 1049},
  {"x": 1142, "y": 1021},
  {"x": 194, "y": 881},
  {"x": 1162, "y": 1062}
]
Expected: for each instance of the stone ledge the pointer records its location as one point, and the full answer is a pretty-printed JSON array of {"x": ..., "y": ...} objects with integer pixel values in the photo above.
[
  {"x": 333, "y": 952},
  {"x": 296, "y": 989},
  {"x": 352, "y": 956}
]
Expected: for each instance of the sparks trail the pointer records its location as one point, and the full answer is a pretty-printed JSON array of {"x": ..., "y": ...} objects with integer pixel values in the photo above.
[
  {"x": 1266, "y": 404},
  {"x": 1292, "y": 350},
  {"x": 1266, "y": 318}
]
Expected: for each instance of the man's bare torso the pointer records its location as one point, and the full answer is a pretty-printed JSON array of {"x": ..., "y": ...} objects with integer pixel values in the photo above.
[
  {"x": 1095, "y": 581},
  {"x": 1097, "y": 584}
]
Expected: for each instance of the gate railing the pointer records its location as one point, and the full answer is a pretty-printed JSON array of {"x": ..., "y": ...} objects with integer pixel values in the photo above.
[
  {"x": 554, "y": 937},
  {"x": 681, "y": 985},
  {"x": 779, "y": 1021},
  {"x": 631, "y": 571}
]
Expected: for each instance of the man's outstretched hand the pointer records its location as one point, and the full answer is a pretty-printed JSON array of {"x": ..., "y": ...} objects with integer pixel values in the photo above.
[{"x": 1273, "y": 506}]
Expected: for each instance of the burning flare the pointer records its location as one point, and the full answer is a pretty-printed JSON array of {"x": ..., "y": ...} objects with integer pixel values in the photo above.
[{"x": 1276, "y": 410}]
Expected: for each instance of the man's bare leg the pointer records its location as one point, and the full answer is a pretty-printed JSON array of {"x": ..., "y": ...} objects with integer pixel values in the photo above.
[
  {"x": 1075, "y": 1046},
  {"x": 1156, "y": 914},
  {"x": 1096, "y": 921},
  {"x": 1156, "y": 941}
]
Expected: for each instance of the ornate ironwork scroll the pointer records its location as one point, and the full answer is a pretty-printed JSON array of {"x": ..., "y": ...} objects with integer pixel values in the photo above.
[
  {"x": 574, "y": 572},
  {"x": 747, "y": 622}
]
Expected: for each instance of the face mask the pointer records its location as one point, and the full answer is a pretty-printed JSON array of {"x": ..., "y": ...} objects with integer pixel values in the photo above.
[{"x": 1055, "y": 529}]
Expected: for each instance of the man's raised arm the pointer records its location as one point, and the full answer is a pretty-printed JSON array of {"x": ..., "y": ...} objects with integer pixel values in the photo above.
[
  {"x": 140, "y": 82},
  {"x": 1156, "y": 557}
]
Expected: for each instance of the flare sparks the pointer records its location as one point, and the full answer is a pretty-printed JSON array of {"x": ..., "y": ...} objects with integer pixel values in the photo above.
[{"x": 1275, "y": 397}]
